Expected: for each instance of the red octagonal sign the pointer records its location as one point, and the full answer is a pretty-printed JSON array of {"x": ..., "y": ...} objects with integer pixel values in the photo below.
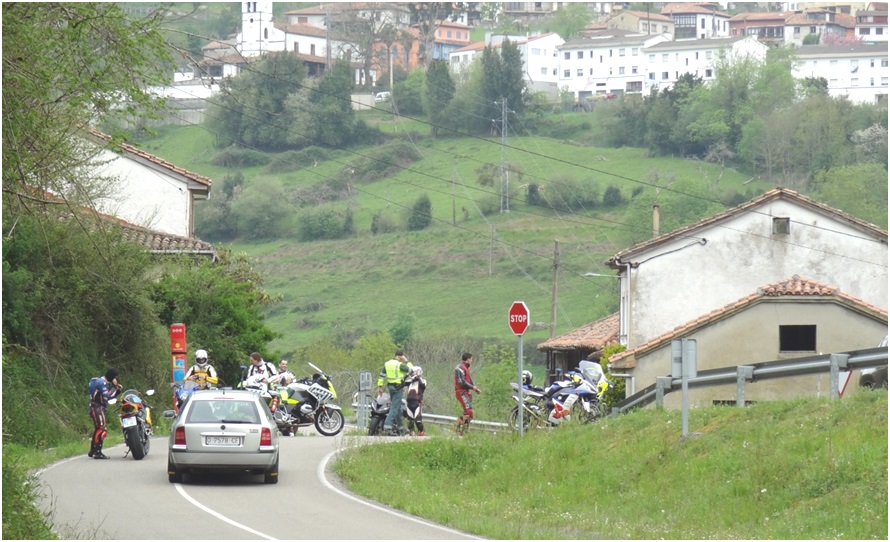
[{"x": 518, "y": 317}]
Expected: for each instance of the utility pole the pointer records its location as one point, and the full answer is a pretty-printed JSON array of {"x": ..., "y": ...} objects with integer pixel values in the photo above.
[
  {"x": 553, "y": 295},
  {"x": 505, "y": 172}
]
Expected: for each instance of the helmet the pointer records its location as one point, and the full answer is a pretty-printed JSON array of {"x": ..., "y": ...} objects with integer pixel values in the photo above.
[
  {"x": 418, "y": 370},
  {"x": 527, "y": 378},
  {"x": 201, "y": 356}
]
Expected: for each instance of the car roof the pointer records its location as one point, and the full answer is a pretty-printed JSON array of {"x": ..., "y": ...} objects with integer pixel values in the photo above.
[{"x": 224, "y": 394}]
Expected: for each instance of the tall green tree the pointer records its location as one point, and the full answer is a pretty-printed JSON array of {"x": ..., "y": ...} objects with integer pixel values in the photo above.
[
  {"x": 249, "y": 108},
  {"x": 322, "y": 113},
  {"x": 570, "y": 19},
  {"x": 860, "y": 190},
  {"x": 438, "y": 92}
]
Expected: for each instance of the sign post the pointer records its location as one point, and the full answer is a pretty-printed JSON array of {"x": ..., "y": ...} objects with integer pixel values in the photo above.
[
  {"x": 518, "y": 318},
  {"x": 364, "y": 388},
  {"x": 178, "y": 351},
  {"x": 685, "y": 366}
]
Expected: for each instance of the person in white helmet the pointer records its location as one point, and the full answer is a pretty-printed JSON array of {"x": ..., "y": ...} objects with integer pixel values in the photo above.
[
  {"x": 202, "y": 372},
  {"x": 416, "y": 385}
]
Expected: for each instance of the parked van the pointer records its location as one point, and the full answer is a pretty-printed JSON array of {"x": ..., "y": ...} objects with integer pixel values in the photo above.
[{"x": 382, "y": 97}]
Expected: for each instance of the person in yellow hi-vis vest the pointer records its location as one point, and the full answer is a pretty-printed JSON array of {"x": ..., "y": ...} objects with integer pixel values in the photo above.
[{"x": 393, "y": 376}]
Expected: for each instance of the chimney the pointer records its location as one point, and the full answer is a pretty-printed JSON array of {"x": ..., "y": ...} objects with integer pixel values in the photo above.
[{"x": 656, "y": 220}]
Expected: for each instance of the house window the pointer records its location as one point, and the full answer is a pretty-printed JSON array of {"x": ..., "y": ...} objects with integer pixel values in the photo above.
[
  {"x": 709, "y": 54},
  {"x": 703, "y": 23},
  {"x": 566, "y": 73},
  {"x": 781, "y": 225},
  {"x": 696, "y": 56},
  {"x": 797, "y": 338},
  {"x": 580, "y": 54},
  {"x": 709, "y": 73},
  {"x": 664, "y": 75},
  {"x": 580, "y": 72},
  {"x": 854, "y": 82},
  {"x": 664, "y": 57},
  {"x": 832, "y": 83},
  {"x": 872, "y": 81},
  {"x": 634, "y": 86},
  {"x": 879, "y": 31},
  {"x": 865, "y": 31},
  {"x": 621, "y": 52},
  {"x": 536, "y": 52},
  {"x": 568, "y": 55},
  {"x": 652, "y": 76},
  {"x": 312, "y": 49},
  {"x": 633, "y": 69},
  {"x": 296, "y": 47},
  {"x": 621, "y": 70},
  {"x": 812, "y": 30},
  {"x": 883, "y": 81},
  {"x": 543, "y": 71},
  {"x": 591, "y": 71},
  {"x": 871, "y": 63},
  {"x": 883, "y": 62},
  {"x": 797, "y": 30},
  {"x": 634, "y": 51}
]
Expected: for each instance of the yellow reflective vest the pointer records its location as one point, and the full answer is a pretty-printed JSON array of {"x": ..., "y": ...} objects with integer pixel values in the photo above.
[{"x": 394, "y": 372}]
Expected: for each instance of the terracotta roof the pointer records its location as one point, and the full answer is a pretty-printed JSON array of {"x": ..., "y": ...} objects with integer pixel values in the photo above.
[
  {"x": 796, "y": 286},
  {"x": 301, "y": 29},
  {"x": 840, "y": 19},
  {"x": 477, "y": 46},
  {"x": 642, "y": 15},
  {"x": 761, "y": 16},
  {"x": 691, "y": 7},
  {"x": 594, "y": 335},
  {"x": 540, "y": 36},
  {"x": 200, "y": 179},
  {"x": 776, "y": 193},
  {"x": 218, "y": 45}
]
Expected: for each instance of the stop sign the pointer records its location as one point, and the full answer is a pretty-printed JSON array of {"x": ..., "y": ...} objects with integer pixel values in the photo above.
[{"x": 518, "y": 317}]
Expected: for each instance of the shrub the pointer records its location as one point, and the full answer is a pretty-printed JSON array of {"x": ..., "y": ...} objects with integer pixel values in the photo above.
[
  {"x": 317, "y": 224},
  {"x": 612, "y": 197},
  {"x": 382, "y": 224},
  {"x": 238, "y": 157},
  {"x": 421, "y": 214},
  {"x": 294, "y": 160}
]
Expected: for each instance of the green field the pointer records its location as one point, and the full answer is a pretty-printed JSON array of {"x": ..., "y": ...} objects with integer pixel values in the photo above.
[{"x": 463, "y": 272}]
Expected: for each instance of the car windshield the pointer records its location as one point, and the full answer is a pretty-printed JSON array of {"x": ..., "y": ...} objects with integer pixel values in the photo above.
[{"x": 224, "y": 411}]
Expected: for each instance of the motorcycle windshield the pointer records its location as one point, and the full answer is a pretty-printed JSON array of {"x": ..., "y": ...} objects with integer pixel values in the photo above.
[{"x": 591, "y": 370}]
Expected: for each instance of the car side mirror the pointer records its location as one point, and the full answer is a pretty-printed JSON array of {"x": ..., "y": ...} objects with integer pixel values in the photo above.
[{"x": 168, "y": 414}]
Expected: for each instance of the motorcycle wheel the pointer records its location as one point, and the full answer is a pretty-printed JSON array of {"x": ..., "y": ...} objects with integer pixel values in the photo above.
[
  {"x": 376, "y": 424},
  {"x": 131, "y": 437},
  {"x": 329, "y": 422},
  {"x": 514, "y": 419}
]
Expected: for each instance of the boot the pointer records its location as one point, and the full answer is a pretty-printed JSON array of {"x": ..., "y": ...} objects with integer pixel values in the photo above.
[
  {"x": 92, "y": 450},
  {"x": 98, "y": 453}
]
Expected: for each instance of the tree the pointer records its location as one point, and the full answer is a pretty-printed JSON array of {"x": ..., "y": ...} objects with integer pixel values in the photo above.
[
  {"x": 427, "y": 16},
  {"x": 362, "y": 28},
  {"x": 421, "y": 214},
  {"x": 860, "y": 190},
  {"x": 570, "y": 19},
  {"x": 321, "y": 113},
  {"x": 249, "y": 108},
  {"x": 438, "y": 92}
]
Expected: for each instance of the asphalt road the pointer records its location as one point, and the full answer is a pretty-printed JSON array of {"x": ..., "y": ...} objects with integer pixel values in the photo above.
[{"x": 121, "y": 498}]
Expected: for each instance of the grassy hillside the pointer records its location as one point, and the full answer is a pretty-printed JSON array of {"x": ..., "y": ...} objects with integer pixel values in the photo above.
[
  {"x": 463, "y": 272},
  {"x": 809, "y": 469}
]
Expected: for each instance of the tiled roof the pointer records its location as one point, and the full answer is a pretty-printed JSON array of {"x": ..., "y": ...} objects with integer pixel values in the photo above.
[
  {"x": 697, "y": 44},
  {"x": 796, "y": 286},
  {"x": 643, "y": 15},
  {"x": 594, "y": 336},
  {"x": 690, "y": 7},
  {"x": 477, "y": 46},
  {"x": 751, "y": 17},
  {"x": 840, "y": 19},
  {"x": 776, "y": 193},
  {"x": 200, "y": 179},
  {"x": 302, "y": 29},
  {"x": 848, "y": 49}
]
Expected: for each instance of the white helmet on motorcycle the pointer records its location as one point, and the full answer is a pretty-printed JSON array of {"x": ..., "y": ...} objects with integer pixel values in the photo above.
[
  {"x": 201, "y": 356},
  {"x": 527, "y": 377},
  {"x": 417, "y": 370}
]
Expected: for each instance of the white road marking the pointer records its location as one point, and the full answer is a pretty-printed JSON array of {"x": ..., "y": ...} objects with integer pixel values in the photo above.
[
  {"x": 321, "y": 476},
  {"x": 219, "y": 516}
]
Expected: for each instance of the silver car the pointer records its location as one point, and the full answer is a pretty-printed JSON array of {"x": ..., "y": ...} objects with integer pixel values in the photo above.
[{"x": 223, "y": 430}]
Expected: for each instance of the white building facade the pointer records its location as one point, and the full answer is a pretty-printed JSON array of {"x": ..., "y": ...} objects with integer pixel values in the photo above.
[{"x": 859, "y": 72}]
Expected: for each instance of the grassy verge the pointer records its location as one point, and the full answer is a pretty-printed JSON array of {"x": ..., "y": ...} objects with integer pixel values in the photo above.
[{"x": 805, "y": 469}]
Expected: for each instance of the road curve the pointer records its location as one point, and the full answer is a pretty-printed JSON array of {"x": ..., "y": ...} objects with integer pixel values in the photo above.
[{"x": 121, "y": 498}]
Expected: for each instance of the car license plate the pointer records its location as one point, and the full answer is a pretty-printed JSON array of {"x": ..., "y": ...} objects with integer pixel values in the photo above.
[
  {"x": 128, "y": 422},
  {"x": 222, "y": 441}
]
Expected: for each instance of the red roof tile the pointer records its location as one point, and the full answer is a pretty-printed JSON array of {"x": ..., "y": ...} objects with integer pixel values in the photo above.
[{"x": 594, "y": 336}]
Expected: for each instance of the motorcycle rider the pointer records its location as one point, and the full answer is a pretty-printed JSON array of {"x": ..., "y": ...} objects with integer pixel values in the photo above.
[
  {"x": 527, "y": 378},
  {"x": 285, "y": 375},
  {"x": 393, "y": 375},
  {"x": 414, "y": 399},
  {"x": 463, "y": 384},
  {"x": 261, "y": 368},
  {"x": 202, "y": 373},
  {"x": 102, "y": 388}
]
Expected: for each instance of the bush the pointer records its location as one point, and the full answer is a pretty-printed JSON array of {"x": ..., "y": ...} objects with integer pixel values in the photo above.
[
  {"x": 565, "y": 193},
  {"x": 381, "y": 162},
  {"x": 294, "y": 160},
  {"x": 318, "y": 224},
  {"x": 260, "y": 210},
  {"x": 421, "y": 214},
  {"x": 382, "y": 224},
  {"x": 238, "y": 157},
  {"x": 612, "y": 197}
]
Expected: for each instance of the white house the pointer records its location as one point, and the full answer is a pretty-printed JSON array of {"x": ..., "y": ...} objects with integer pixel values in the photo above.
[
  {"x": 697, "y": 20},
  {"x": 612, "y": 64},
  {"x": 673, "y": 279},
  {"x": 858, "y": 72},
  {"x": 668, "y": 60},
  {"x": 817, "y": 22},
  {"x": 148, "y": 191},
  {"x": 540, "y": 60}
]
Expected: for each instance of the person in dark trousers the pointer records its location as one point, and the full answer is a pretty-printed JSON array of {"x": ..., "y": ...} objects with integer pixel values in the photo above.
[
  {"x": 393, "y": 375},
  {"x": 463, "y": 385},
  {"x": 414, "y": 398},
  {"x": 102, "y": 388}
]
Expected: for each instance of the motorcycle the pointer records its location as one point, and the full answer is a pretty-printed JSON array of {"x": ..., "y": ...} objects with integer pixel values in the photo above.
[
  {"x": 135, "y": 416},
  {"x": 557, "y": 403},
  {"x": 302, "y": 403},
  {"x": 380, "y": 406}
]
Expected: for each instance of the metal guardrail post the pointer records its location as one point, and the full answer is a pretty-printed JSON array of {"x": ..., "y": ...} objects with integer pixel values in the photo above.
[
  {"x": 837, "y": 361},
  {"x": 744, "y": 373},
  {"x": 661, "y": 383}
]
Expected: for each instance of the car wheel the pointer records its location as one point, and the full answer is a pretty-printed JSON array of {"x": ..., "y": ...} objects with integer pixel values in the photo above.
[{"x": 271, "y": 475}]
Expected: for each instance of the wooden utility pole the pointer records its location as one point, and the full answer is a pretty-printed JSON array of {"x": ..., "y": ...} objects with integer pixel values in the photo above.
[{"x": 553, "y": 296}]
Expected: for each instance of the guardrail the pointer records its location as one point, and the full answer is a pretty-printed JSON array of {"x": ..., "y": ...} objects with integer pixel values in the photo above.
[{"x": 742, "y": 374}]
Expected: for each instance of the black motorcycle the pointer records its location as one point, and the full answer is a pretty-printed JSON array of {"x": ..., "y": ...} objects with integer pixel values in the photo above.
[{"x": 379, "y": 409}]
